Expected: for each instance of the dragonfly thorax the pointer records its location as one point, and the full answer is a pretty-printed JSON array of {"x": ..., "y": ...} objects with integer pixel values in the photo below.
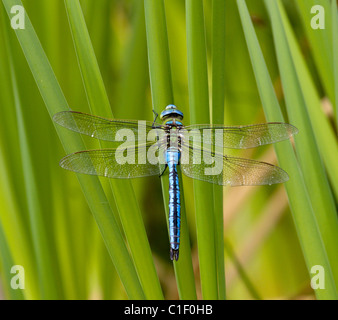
[{"x": 174, "y": 138}]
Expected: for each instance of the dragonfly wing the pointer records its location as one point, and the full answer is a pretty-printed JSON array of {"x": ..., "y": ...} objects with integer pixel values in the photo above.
[
  {"x": 102, "y": 128},
  {"x": 241, "y": 137},
  {"x": 130, "y": 162},
  {"x": 224, "y": 170}
]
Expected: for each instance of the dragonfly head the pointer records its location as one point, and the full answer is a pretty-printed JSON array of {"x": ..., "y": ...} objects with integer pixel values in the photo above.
[{"x": 171, "y": 111}]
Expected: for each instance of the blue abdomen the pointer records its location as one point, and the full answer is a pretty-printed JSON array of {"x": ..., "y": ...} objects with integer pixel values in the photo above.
[{"x": 172, "y": 159}]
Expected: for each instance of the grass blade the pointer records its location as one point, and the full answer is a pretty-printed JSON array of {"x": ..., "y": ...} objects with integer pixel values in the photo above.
[
  {"x": 335, "y": 56},
  {"x": 307, "y": 151},
  {"x": 324, "y": 134},
  {"x": 13, "y": 212},
  {"x": 98, "y": 204},
  {"x": 135, "y": 70},
  {"x": 199, "y": 113},
  {"x": 304, "y": 217},
  {"x": 320, "y": 41},
  {"x": 6, "y": 265},
  {"x": 124, "y": 196},
  {"x": 218, "y": 84},
  {"x": 162, "y": 95},
  {"x": 41, "y": 243}
]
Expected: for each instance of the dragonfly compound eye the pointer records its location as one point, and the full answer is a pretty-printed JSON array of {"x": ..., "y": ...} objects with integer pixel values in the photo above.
[{"x": 171, "y": 111}]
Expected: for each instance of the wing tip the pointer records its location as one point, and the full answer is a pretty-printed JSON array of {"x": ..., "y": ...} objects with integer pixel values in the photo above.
[
  {"x": 292, "y": 130},
  {"x": 283, "y": 176},
  {"x": 62, "y": 162},
  {"x": 56, "y": 117},
  {"x": 59, "y": 117}
]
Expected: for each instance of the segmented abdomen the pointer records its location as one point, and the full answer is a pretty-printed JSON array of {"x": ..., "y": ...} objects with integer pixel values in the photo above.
[{"x": 174, "y": 203}]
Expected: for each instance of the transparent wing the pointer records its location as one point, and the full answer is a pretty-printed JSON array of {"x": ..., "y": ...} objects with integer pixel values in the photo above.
[
  {"x": 129, "y": 162},
  {"x": 102, "y": 128},
  {"x": 241, "y": 137},
  {"x": 226, "y": 170}
]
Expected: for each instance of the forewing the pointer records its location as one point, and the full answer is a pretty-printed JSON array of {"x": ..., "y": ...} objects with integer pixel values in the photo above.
[
  {"x": 102, "y": 128},
  {"x": 231, "y": 171},
  {"x": 241, "y": 137}
]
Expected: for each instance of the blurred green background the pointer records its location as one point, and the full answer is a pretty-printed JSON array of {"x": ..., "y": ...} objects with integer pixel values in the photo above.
[{"x": 46, "y": 223}]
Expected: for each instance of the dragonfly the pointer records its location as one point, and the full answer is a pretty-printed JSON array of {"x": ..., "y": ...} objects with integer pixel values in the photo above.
[{"x": 153, "y": 148}]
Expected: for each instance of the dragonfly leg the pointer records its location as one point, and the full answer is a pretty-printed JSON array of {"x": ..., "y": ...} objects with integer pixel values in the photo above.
[
  {"x": 163, "y": 170},
  {"x": 156, "y": 116}
]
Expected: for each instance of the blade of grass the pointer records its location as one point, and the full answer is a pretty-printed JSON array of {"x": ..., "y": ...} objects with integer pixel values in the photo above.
[
  {"x": 261, "y": 234},
  {"x": 304, "y": 217},
  {"x": 324, "y": 134},
  {"x": 63, "y": 240},
  {"x": 13, "y": 210},
  {"x": 241, "y": 271},
  {"x": 52, "y": 25},
  {"x": 218, "y": 84},
  {"x": 199, "y": 113},
  {"x": 176, "y": 26},
  {"x": 6, "y": 265},
  {"x": 162, "y": 95},
  {"x": 307, "y": 151},
  {"x": 124, "y": 196},
  {"x": 41, "y": 243},
  {"x": 7, "y": 251},
  {"x": 320, "y": 41},
  {"x": 55, "y": 102},
  {"x": 134, "y": 71},
  {"x": 335, "y": 55},
  {"x": 98, "y": 18}
]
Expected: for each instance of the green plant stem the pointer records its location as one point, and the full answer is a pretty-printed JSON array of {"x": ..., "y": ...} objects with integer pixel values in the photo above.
[
  {"x": 42, "y": 246},
  {"x": 96, "y": 199},
  {"x": 335, "y": 55},
  {"x": 302, "y": 211},
  {"x": 124, "y": 196},
  {"x": 13, "y": 220},
  {"x": 199, "y": 113},
  {"x": 218, "y": 84},
  {"x": 308, "y": 154},
  {"x": 162, "y": 95},
  {"x": 241, "y": 271}
]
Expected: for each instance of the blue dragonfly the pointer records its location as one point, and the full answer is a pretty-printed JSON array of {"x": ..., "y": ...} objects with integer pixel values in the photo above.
[{"x": 153, "y": 148}]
